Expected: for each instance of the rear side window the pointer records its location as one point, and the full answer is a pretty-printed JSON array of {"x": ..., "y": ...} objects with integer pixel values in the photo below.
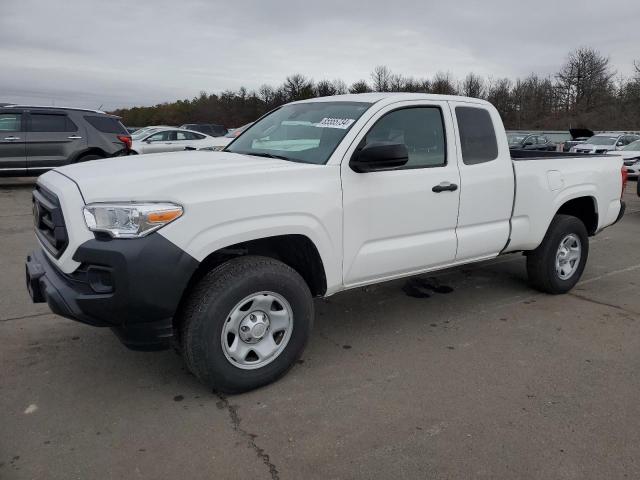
[
  {"x": 107, "y": 125},
  {"x": 477, "y": 135},
  {"x": 45, "y": 122}
]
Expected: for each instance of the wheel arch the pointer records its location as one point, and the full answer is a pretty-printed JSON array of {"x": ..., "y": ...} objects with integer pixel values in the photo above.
[
  {"x": 585, "y": 208},
  {"x": 88, "y": 151}
]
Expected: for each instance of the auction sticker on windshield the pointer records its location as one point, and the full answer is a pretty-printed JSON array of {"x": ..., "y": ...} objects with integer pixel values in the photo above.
[{"x": 341, "y": 123}]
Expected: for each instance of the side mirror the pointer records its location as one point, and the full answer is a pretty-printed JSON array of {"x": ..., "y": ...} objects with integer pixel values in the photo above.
[
  {"x": 378, "y": 156},
  {"x": 528, "y": 143},
  {"x": 148, "y": 140}
]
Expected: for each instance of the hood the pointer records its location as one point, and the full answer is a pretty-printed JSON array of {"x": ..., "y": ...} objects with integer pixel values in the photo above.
[
  {"x": 580, "y": 132},
  {"x": 169, "y": 176}
]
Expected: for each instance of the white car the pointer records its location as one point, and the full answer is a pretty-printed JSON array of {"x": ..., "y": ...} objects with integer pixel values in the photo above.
[
  {"x": 141, "y": 132},
  {"x": 168, "y": 139},
  {"x": 605, "y": 142},
  {"x": 631, "y": 158},
  {"x": 222, "y": 142},
  {"x": 223, "y": 252}
]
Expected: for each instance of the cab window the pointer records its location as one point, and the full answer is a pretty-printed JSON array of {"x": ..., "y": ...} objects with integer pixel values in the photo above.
[
  {"x": 477, "y": 135},
  {"x": 420, "y": 129}
]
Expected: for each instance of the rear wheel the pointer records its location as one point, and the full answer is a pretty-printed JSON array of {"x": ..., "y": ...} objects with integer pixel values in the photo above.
[
  {"x": 246, "y": 323},
  {"x": 557, "y": 264}
]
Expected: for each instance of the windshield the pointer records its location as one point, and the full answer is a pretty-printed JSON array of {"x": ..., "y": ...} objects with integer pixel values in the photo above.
[
  {"x": 602, "y": 140},
  {"x": 515, "y": 139},
  {"x": 301, "y": 132},
  {"x": 633, "y": 146}
]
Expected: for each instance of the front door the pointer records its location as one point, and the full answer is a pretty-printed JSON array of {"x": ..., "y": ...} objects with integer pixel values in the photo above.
[
  {"x": 13, "y": 157},
  {"x": 164, "y": 141},
  {"x": 394, "y": 221}
]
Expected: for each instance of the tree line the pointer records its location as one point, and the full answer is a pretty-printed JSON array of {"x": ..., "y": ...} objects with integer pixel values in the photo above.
[{"x": 585, "y": 92}]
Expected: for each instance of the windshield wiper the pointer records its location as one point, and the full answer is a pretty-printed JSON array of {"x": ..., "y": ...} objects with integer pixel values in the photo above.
[{"x": 269, "y": 155}]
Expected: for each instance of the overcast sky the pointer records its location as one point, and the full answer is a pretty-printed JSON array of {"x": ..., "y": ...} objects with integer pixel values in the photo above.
[{"x": 122, "y": 53}]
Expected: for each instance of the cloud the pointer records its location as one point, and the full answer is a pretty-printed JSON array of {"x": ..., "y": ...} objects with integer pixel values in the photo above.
[{"x": 122, "y": 53}]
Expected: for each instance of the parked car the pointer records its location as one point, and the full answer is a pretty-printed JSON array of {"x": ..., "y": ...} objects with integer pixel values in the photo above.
[
  {"x": 237, "y": 131},
  {"x": 223, "y": 252},
  {"x": 578, "y": 136},
  {"x": 605, "y": 142},
  {"x": 221, "y": 142},
  {"x": 631, "y": 158},
  {"x": 524, "y": 141},
  {"x": 35, "y": 139},
  {"x": 210, "y": 129},
  {"x": 159, "y": 140},
  {"x": 141, "y": 132}
]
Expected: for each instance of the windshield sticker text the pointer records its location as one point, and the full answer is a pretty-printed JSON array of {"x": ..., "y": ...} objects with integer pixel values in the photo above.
[{"x": 341, "y": 123}]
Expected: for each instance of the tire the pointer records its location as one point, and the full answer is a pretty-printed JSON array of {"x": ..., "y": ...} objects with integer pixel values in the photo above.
[
  {"x": 87, "y": 158},
  {"x": 214, "y": 313},
  {"x": 541, "y": 263}
]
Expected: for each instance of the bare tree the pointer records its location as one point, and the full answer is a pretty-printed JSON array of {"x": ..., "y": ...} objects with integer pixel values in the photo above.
[
  {"x": 381, "y": 78},
  {"x": 473, "y": 86},
  {"x": 443, "y": 84},
  {"x": 339, "y": 87},
  {"x": 324, "y": 88},
  {"x": 361, "y": 86},
  {"x": 298, "y": 87},
  {"x": 585, "y": 80}
]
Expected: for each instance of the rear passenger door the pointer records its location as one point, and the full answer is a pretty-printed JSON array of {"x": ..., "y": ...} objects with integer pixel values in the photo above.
[
  {"x": 487, "y": 181},
  {"x": 52, "y": 138},
  {"x": 13, "y": 154}
]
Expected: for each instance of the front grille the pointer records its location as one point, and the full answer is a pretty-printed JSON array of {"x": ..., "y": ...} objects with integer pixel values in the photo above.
[{"x": 49, "y": 221}]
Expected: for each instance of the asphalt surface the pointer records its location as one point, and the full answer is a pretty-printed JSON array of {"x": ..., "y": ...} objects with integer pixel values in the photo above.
[{"x": 490, "y": 380}]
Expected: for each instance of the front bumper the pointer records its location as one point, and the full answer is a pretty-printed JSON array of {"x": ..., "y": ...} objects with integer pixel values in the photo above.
[{"x": 132, "y": 286}]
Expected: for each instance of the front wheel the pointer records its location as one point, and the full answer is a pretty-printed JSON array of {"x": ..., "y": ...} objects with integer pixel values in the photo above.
[
  {"x": 557, "y": 264},
  {"x": 246, "y": 323}
]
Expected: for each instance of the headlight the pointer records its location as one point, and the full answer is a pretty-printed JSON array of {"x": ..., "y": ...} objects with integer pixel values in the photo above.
[{"x": 130, "y": 220}]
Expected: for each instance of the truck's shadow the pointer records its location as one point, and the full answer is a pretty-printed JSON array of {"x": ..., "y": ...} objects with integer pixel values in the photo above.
[{"x": 17, "y": 183}]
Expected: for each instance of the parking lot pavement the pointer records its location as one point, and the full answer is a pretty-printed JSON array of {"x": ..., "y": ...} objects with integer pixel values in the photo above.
[{"x": 491, "y": 380}]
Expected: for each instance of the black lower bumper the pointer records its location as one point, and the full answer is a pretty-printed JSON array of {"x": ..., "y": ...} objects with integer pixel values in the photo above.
[{"x": 131, "y": 286}]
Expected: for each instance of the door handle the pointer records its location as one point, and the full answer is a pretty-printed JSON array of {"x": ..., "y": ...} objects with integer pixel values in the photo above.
[
  {"x": 445, "y": 187},
  {"x": 12, "y": 138},
  {"x": 74, "y": 137}
]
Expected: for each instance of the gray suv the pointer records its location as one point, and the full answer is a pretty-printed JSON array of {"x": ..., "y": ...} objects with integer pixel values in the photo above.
[{"x": 36, "y": 139}]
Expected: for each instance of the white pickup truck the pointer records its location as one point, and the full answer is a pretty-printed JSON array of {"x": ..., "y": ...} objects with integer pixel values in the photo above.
[{"x": 221, "y": 253}]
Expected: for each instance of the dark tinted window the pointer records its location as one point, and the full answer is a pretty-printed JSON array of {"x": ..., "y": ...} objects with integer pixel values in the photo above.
[
  {"x": 45, "y": 122},
  {"x": 420, "y": 129},
  {"x": 477, "y": 135},
  {"x": 10, "y": 122},
  {"x": 218, "y": 130},
  {"x": 107, "y": 125}
]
